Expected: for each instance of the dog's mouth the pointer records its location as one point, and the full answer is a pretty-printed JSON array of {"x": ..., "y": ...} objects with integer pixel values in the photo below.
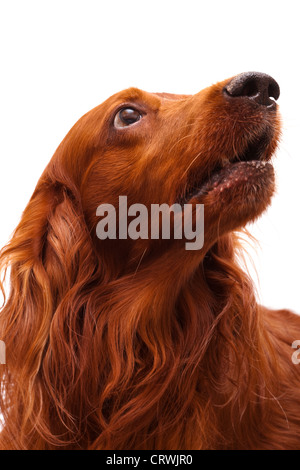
[{"x": 248, "y": 167}]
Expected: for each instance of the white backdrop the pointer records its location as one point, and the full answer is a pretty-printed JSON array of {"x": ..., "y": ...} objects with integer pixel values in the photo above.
[{"x": 61, "y": 58}]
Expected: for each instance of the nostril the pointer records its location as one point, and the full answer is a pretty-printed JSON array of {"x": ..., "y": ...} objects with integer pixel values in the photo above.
[
  {"x": 273, "y": 90},
  {"x": 257, "y": 86},
  {"x": 250, "y": 89}
]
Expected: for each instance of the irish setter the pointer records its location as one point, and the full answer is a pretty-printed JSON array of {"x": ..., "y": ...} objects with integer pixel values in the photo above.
[{"x": 140, "y": 343}]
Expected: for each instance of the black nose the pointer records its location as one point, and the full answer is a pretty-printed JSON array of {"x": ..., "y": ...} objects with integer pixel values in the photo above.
[{"x": 257, "y": 86}]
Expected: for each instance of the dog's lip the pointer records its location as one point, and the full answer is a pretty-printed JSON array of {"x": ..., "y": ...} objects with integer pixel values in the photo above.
[
  {"x": 233, "y": 174},
  {"x": 252, "y": 159}
]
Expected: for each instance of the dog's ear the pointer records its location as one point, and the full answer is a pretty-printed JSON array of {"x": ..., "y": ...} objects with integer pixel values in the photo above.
[
  {"x": 51, "y": 262},
  {"x": 61, "y": 245}
]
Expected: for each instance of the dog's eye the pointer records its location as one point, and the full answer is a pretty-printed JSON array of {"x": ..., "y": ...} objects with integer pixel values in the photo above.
[{"x": 126, "y": 117}]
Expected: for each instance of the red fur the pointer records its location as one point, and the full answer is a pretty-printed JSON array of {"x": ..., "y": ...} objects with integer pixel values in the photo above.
[{"x": 141, "y": 344}]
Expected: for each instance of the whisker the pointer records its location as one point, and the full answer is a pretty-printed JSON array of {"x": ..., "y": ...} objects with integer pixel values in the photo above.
[
  {"x": 189, "y": 166},
  {"x": 180, "y": 140}
]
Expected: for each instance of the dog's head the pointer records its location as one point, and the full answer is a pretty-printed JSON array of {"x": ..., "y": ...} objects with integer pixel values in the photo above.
[{"x": 212, "y": 148}]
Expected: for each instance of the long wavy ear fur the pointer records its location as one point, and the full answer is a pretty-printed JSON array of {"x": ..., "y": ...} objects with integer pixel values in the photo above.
[{"x": 51, "y": 262}]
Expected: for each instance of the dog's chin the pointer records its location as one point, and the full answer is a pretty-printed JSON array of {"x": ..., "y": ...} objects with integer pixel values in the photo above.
[
  {"x": 234, "y": 196},
  {"x": 241, "y": 180},
  {"x": 237, "y": 194}
]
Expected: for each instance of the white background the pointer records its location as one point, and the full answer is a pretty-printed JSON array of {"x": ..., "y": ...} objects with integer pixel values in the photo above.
[{"x": 61, "y": 58}]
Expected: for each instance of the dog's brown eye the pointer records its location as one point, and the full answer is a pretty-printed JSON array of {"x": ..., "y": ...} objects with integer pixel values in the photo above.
[{"x": 126, "y": 117}]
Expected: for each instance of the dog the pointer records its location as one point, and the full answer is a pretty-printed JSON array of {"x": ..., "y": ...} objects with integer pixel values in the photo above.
[{"x": 121, "y": 343}]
